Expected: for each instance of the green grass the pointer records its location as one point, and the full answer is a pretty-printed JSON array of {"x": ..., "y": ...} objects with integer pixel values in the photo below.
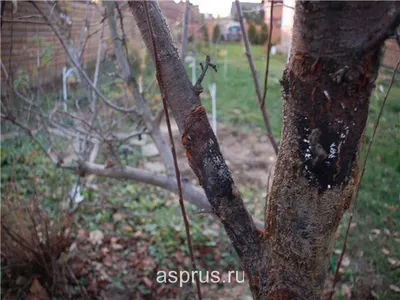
[
  {"x": 378, "y": 203},
  {"x": 236, "y": 98}
]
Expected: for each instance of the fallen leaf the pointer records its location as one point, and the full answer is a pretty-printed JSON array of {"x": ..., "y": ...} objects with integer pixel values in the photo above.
[
  {"x": 345, "y": 261},
  {"x": 107, "y": 261},
  {"x": 93, "y": 286},
  {"x": 374, "y": 234},
  {"x": 96, "y": 237},
  {"x": 147, "y": 282},
  {"x": 117, "y": 246},
  {"x": 375, "y": 231},
  {"x": 109, "y": 164},
  {"x": 394, "y": 288},
  {"x": 82, "y": 235},
  {"x": 394, "y": 262},
  {"x": 346, "y": 291},
  {"x": 119, "y": 217},
  {"x": 37, "y": 292},
  {"x": 126, "y": 228},
  {"x": 138, "y": 234},
  {"x": 104, "y": 251},
  {"x": 179, "y": 257},
  {"x": 385, "y": 251}
]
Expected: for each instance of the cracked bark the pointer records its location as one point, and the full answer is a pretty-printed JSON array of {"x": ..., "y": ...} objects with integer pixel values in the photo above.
[{"x": 309, "y": 195}]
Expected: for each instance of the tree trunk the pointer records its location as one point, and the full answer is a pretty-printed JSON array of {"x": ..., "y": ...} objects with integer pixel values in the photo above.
[{"x": 326, "y": 88}]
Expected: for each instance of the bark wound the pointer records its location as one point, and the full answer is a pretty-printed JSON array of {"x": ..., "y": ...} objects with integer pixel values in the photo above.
[
  {"x": 205, "y": 158},
  {"x": 329, "y": 133}
]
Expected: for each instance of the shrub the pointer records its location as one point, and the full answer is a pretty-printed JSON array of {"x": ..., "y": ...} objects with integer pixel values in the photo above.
[
  {"x": 205, "y": 33},
  {"x": 263, "y": 35},
  {"x": 252, "y": 34},
  {"x": 216, "y": 34},
  {"x": 257, "y": 38},
  {"x": 34, "y": 245}
]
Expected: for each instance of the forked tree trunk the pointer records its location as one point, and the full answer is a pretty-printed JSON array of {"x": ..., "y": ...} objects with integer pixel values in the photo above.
[{"x": 326, "y": 88}]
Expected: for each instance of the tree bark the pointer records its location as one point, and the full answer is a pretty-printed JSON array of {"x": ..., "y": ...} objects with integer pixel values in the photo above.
[
  {"x": 201, "y": 145},
  {"x": 326, "y": 88}
]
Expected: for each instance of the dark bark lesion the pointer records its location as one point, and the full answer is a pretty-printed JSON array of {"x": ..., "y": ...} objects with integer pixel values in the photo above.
[{"x": 325, "y": 109}]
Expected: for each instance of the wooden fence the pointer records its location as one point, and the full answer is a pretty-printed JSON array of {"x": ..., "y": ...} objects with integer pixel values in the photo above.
[{"x": 28, "y": 43}]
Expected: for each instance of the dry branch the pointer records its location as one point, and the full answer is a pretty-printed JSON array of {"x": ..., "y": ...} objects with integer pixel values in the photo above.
[{"x": 255, "y": 79}]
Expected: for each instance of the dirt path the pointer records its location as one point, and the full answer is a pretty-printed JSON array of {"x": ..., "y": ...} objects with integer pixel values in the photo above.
[{"x": 249, "y": 155}]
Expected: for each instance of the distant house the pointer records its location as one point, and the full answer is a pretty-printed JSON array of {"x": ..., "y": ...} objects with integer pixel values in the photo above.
[
  {"x": 391, "y": 49},
  {"x": 247, "y": 7},
  {"x": 286, "y": 25},
  {"x": 174, "y": 12},
  {"x": 276, "y": 19}
]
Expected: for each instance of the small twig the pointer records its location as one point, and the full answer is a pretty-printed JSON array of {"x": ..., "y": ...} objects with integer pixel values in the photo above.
[
  {"x": 364, "y": 164},
  {"x": 198, "y": 87},
  {"x": 267, "y": 199},
  {"x": 268, "y": 55},
  {"x": 255, "y": 79},
  {"x": 177, "y": 172}
]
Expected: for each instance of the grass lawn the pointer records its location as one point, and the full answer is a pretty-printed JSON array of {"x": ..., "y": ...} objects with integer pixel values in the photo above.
[{"x": 375, "y": 238}]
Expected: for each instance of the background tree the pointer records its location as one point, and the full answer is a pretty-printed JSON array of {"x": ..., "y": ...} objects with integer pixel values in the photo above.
[
  {"x": 252, "y": 33},
  {"x": 216, "y": 34}
]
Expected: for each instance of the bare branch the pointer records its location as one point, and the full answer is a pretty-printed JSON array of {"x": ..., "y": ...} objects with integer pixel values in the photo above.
[
  {"x": 268, "y": 54},
  {"x": 79, "y": 68},
  {"x": 141, "y": 104},
  {"x": 255, "y": 79},
  {"x": 171, "y": 139},
  {"x": 198, "y": 87},
  {"x": 201, "y": 145}
]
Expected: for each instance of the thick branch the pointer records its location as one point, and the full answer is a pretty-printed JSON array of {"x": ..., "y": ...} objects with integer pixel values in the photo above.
[
  {"x": 190, "y": 193},
  {"x": 201, "y": 146}
]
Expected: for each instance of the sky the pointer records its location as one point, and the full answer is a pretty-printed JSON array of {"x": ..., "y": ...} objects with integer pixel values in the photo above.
[{"x": 216, "y": 7}]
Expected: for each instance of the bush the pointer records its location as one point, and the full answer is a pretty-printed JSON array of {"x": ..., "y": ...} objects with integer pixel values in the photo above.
[
  {"x": 34, "y": 245},
  {"x": 252, "y": 34},
  {"x": 205, "y": 33},
  {"x": 257, "y": 38},
  {"x": 216, "y": 34},
  {"x": 263, "y": 35}
]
